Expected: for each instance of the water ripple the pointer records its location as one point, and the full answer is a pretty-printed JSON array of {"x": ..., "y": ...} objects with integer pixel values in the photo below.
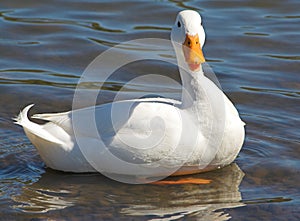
[
  {"x": 20, "y": 164},
  {"x": 285, "y": 57},
  {"x": 267, "y": 200},
  {"x": 37, "y": 77},
  {"x": 33, "y": 20},
  {"x": 273, "y": 91},
  {"x": 144, "y": 27}
]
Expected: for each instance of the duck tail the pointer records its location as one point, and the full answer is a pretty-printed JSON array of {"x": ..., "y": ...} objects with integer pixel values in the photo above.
[
  {"x": 22, "y": 118},
  {"x": 33, "y": 129}
]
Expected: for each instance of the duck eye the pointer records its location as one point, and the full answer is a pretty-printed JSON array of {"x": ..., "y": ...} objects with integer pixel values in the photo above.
[{"x": 178, "y": 24}]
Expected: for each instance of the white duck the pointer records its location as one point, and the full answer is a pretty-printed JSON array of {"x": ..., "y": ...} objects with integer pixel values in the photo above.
[{"x": 149, "y": 136}]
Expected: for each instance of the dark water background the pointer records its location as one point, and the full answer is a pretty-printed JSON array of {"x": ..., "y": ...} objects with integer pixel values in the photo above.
[{"x": 254, "y": 48}]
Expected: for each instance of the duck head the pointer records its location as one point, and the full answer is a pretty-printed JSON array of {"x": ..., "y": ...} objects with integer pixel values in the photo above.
[{"x": 188, "y": 38}]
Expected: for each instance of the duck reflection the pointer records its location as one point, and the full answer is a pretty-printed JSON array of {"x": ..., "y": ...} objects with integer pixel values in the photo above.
[{"x": 73, "y": 194}]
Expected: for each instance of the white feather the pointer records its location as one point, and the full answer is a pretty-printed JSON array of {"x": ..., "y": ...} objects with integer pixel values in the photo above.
[{"x": 202, "y": 133}]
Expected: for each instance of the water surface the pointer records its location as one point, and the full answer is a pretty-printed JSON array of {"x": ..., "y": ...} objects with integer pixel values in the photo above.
[{"x": 252, "y": 46}]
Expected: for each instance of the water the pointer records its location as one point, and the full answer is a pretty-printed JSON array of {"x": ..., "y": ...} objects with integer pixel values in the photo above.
[{"x": 253, "y": 46}]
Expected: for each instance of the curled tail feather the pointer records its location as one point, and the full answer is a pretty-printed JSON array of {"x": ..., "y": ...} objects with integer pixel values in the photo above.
[
  {"x": 33, "y": 128},
  {"x": 22, "y": 118}
]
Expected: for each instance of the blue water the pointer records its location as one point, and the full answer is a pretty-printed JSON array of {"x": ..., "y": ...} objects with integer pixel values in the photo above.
[{"x": 252, "y": 46}]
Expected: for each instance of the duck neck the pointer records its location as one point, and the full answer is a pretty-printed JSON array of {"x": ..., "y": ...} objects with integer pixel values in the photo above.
[{"x": 193, "y": 93}]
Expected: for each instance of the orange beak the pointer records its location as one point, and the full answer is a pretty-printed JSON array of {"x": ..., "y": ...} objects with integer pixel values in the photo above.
[{"x": 192, "y": 52}]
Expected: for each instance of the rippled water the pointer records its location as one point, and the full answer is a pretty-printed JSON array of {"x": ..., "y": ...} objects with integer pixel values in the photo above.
[{"x": 253, "y": 46}]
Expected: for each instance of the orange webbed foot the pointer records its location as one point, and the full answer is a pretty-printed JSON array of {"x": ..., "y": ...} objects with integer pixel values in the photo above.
[{"x": 182, "y": 181}]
